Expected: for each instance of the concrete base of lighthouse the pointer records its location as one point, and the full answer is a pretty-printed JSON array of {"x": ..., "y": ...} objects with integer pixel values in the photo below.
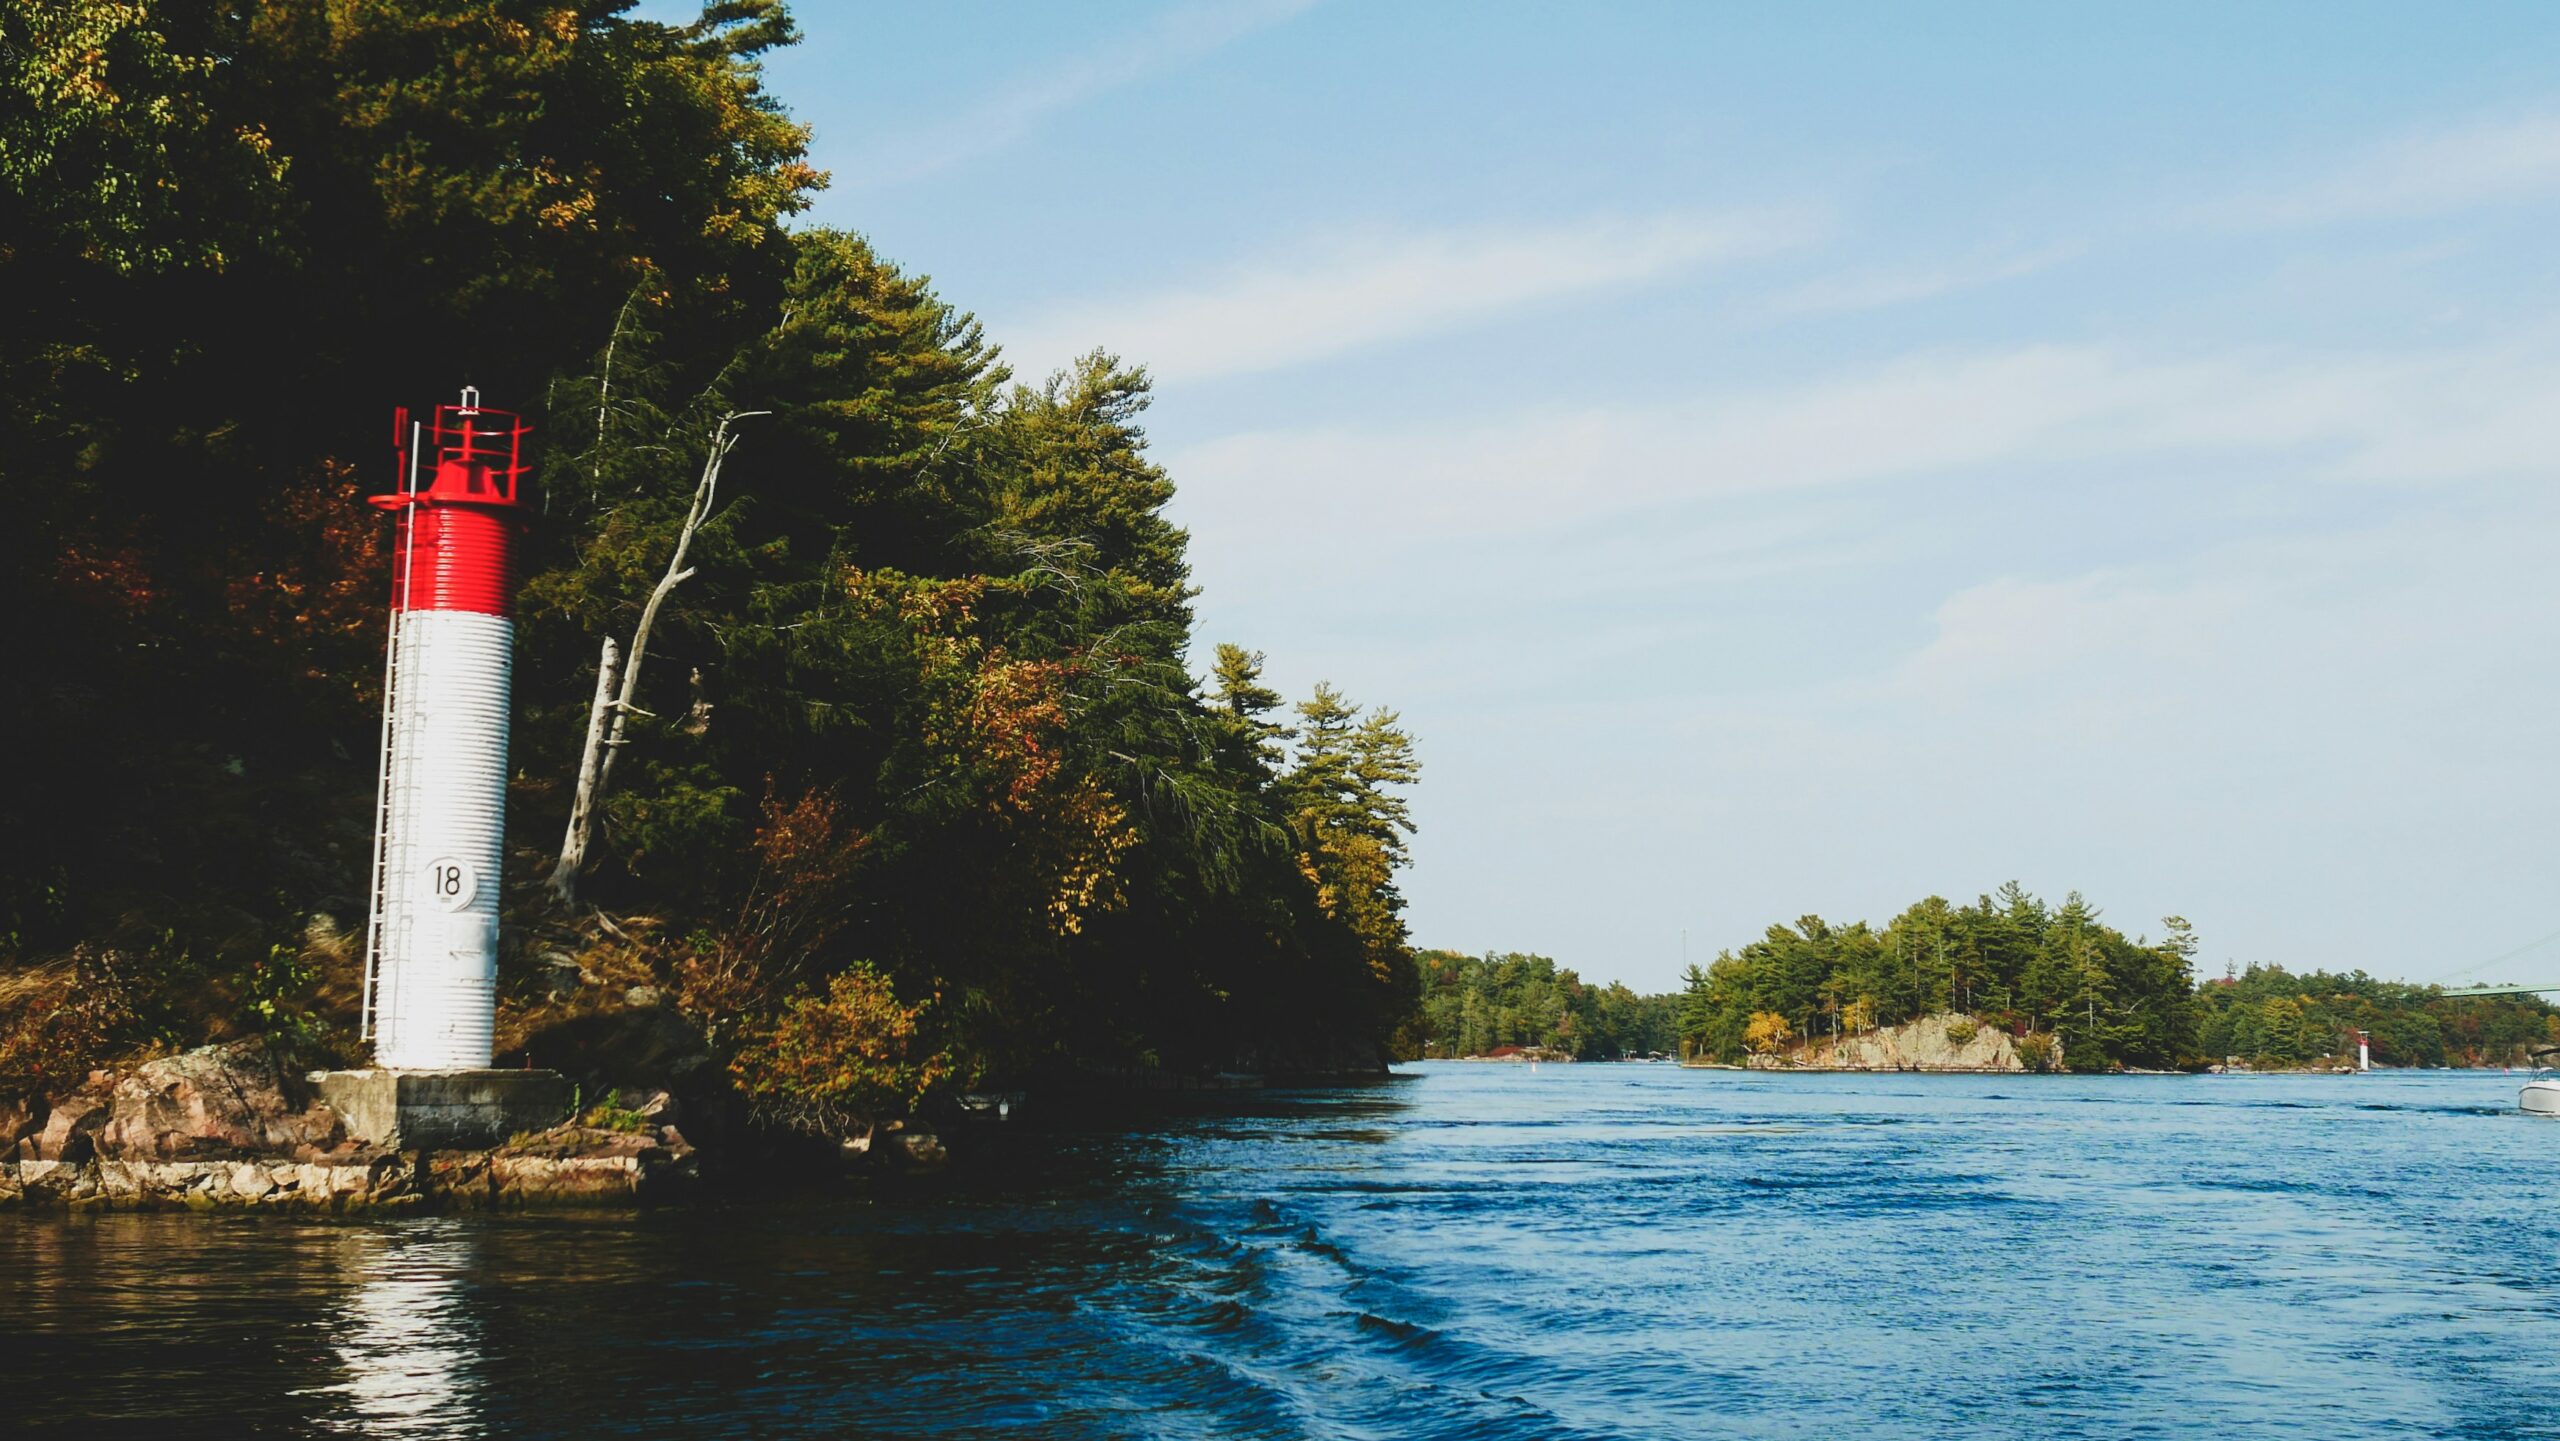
[{"x": 445, "y": 1110}]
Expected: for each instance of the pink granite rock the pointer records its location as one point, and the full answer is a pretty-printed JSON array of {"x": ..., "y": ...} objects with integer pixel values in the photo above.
[{"x": 214, "y": 1101}]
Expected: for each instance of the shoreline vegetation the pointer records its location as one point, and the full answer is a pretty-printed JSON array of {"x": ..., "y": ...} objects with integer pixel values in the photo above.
[
  {"x": 918, "y": 783},
  {"x": 2005, "y": 984}
]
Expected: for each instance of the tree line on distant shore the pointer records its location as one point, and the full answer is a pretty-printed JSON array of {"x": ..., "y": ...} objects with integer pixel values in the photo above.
[
  {"x": 2268, "y": 1016},
  {"x": 1476, "y": 1005},
  {"x": 2078, "y": 994}
]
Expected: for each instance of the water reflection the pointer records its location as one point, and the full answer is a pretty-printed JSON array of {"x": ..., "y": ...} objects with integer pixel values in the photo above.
[{"x": 408, "y": 1335}]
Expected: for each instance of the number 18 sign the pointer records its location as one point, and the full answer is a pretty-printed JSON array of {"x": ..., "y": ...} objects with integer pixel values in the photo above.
[{"x": 452, "y": 882}]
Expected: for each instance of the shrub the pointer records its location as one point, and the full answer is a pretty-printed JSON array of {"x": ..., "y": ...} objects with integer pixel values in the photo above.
[
  {"x": 607, "y": 1115},
  {"x": 59, "y": 1022},
  {"x": 1962, "y": 1032},
  {"x": 275, "y": 999},
  {"x": 2037, "y": 1051},
  {"x": 832, "y": 1062},
  {"x": 799, "y": 899}
]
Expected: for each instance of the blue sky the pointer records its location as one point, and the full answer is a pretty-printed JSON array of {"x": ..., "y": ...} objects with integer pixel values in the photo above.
[{"x": 1798, "y": 459}]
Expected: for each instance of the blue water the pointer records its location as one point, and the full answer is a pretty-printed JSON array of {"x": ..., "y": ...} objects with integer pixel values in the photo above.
[{"x": 1468, "y": 1251}]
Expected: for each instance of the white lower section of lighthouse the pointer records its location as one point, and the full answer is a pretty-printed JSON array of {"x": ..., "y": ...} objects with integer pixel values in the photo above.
[{"x": 444, "y": 815}]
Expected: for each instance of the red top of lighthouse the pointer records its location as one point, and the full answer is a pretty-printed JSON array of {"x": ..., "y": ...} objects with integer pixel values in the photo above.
[
  {"x": 478, "y": 450},
  {"x": 457, "y": 521}
]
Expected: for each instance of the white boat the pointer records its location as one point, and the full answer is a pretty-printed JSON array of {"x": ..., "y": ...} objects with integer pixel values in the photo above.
[{"x": 2541, "y": 1095}]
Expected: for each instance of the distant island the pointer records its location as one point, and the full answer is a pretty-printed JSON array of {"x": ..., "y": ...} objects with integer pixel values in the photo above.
[{"x": 2007, "y": 983}]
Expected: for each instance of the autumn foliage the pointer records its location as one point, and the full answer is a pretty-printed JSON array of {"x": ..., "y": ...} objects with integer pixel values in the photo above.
[
  {"x": 1767, "y": 1033},
  {"x": 921, "y": 719},
  {"x": 834, "y": 1059},
  {"x": 58, "y": 1021}
]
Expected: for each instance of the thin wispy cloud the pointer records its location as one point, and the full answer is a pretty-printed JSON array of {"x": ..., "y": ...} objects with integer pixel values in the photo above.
[
  {"x": 1877, "y": 289},
  {"x": 2327, "y": 630},
  {"x": 1172, "y": 39},
  {"x": 1354, "y": 291},
  {"x": 2227, "y": 712},
  {"x": 2485, "y": 162},
  {"x": 2365, "y": 418}
]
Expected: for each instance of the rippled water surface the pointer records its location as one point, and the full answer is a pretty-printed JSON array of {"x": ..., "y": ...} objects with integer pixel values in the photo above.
[{"x": 1470, "y": 1250}]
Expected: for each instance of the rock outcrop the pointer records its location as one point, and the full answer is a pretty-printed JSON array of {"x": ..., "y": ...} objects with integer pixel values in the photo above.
[
  {"x": 1944, "y": 1042},
  {"x": 221, "y": 1102},
  {"x": 577, "y": 1166},
  {"x": 227, "y": 1127},
  {"x": 218, "y": 1101},
  {"x": 571, "y": 1166}
]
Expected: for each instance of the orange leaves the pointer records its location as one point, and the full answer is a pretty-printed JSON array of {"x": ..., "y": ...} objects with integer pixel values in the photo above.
[
  {"x": 319, "y": 587},
  {"x": 568, "y": 204},
  {"x": 1069, "y": 823},
  {"x": 807, "y": 874},
  {"x": 928, "y": 605},
  {"x": 309, "y": 586},
  {"x": 1017, "y": 721},
  {"x": 802, "y": 851},
  {"x": 1000, "y": 725},
  {"x": 112, "y": 578},
  {"x": 999, "y": 720}
]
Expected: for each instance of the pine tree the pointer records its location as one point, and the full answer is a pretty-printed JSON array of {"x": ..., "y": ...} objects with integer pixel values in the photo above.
[
  {"x": 1244, "y": 705},
  {"x": 1350, "y": 820}
]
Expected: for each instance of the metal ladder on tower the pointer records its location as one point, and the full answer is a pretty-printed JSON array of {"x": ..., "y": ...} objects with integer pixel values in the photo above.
[
  {"x": 379, "y": 878},
  {"x": 387, "y": 785}
]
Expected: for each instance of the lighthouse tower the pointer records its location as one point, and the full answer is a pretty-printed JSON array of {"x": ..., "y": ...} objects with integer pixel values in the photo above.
[{"x": 431, "y": 950}]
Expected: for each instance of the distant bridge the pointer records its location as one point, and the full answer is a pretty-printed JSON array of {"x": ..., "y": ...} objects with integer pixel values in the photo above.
[{"x": 2498, "y": 990}]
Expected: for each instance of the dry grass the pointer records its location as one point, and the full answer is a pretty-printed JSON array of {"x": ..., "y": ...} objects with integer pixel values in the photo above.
[
  {"x": 25, "y": 981},
  {"x": 612, "y": 958},
  {"x": 336, "y": 960}
]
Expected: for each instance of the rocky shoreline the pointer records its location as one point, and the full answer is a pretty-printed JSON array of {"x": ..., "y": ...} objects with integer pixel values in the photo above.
[
  {"x": 238, "y": 1127},
  {"x": 1948, "y": 1042},
  {"x": 229, "y": 1127},
  {"x": 568, "y": 1167}
]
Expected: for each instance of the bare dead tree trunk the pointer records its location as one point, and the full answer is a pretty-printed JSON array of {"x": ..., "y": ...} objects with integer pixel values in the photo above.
[
  {"x": 582, "y": 808},
  {"x": 706, "y": 492},
  {"x": 604, "y": 387}
]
